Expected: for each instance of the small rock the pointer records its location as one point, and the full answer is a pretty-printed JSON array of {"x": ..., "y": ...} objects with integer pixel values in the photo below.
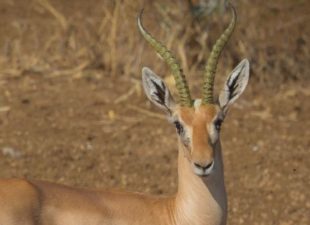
[
  {"x": 89, "y": 146},
  {"x": 255, "y": 148},
  {"x": 5, "y": 108},
  {"x": 11, "y": 152}
]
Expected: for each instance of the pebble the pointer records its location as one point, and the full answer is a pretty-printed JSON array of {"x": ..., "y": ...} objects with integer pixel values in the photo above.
[{"x": 11, "y": 152}]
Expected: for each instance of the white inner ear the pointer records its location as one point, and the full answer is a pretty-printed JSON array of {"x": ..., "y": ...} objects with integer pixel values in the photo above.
[
  {"x": 235, "y": 84},
  {"x": 156, "y": 90}
]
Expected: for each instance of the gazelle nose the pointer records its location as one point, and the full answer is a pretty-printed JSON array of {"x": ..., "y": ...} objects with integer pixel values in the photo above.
[{"x": 204, "y": 166}]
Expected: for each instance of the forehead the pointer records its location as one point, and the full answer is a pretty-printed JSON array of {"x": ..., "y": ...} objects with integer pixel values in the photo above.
[{"x": 201, "y": 114}]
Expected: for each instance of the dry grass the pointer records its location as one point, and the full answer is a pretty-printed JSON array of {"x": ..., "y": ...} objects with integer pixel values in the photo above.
[{"x": 53, "y": 42}]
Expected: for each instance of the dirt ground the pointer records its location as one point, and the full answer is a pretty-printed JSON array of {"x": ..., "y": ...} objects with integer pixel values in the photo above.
[{"x": 81, "y": 126}]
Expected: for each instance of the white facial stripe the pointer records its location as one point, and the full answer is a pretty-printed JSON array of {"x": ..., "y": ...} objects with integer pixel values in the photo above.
[
  {"x": 214, "y": 134},
  {"x": 197, "y": 103}
]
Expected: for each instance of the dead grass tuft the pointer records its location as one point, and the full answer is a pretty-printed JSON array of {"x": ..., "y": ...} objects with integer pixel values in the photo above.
[{"x": 55, "y": 40}]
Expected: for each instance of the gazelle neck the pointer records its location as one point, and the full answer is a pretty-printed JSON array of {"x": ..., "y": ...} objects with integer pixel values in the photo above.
[{"x": 200, "y": 200}]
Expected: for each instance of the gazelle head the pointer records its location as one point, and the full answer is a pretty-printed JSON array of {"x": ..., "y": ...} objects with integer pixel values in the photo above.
[{"x": 197, "y": 121}]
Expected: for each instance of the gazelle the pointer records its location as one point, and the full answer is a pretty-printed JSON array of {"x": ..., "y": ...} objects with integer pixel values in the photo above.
[{"x": 200, "y": 198}]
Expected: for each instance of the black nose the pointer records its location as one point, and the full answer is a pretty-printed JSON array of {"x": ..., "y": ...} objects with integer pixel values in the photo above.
[{"x": 204, "y": 167}]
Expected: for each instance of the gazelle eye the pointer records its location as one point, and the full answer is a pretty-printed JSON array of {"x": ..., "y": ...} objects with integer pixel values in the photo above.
[
  {"x": 179, "y": 127},
  {"x": 218, "y": 124}
]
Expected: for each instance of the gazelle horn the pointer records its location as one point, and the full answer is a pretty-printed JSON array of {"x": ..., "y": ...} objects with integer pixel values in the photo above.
[
  {"x": 179, "y": 77},
  {"x": 210, "y": 69}
]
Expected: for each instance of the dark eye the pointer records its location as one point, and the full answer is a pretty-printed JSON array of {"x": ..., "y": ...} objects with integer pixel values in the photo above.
[
  {"x": 179, "y": 127},
  {"x": 218, "y": 124}
]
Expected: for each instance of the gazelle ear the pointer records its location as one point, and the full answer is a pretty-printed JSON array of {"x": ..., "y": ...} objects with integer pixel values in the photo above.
[
  {"x": 234, "y": 85},
  {"x": 157, "y": 91}
]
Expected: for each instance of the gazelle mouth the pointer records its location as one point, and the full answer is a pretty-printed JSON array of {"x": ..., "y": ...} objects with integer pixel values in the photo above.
[{"x": 203, "y": 171}]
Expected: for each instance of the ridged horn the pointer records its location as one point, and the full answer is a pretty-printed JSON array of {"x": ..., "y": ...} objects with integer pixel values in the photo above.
[
  {"x": 179, "y": 77},
  {"x": 210, "y": 69}
]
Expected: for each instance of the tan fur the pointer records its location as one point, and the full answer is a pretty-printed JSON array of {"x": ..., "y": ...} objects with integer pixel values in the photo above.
[
  {"x": 198, "y": 201},
  {"x": 198, "y": 119}
]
